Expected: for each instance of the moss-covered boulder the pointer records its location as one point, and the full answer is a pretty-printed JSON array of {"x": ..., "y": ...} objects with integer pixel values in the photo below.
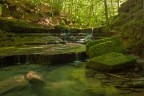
[
  {"x": 104, "y": 46},
  {"x": 92, "y": 43},
  {"x": 19, "y": 25},
  {"x": 111, "y": 62}
]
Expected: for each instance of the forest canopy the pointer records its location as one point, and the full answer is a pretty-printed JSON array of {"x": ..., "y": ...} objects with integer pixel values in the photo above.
[
  {"x": 83, "y": 12},
  {"x": 77, "y": 13}
]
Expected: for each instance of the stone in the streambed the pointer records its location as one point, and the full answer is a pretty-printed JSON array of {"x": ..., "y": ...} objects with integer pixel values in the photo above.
[
  {"x": 104, "y": 46},
  {"x": 111, "y": 62}
]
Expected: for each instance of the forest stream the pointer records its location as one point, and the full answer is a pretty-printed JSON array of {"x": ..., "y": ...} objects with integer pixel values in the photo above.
[
  {"x": 71, "y": 48},
  {"x": 71, "y": 79}
]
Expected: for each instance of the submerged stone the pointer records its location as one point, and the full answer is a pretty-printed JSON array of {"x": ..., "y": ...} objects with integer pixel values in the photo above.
[
  {"x": 111, "y": 62},
  {"x": 104, "y": 46}
]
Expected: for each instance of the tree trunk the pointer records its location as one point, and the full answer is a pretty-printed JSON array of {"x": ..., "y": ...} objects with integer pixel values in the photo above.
[
  {"x": 0, "y": 9},
  {"x": 143, "y": 4},
  {"x": 118, "y": 3},
  {"x": 106, "y": 14}
]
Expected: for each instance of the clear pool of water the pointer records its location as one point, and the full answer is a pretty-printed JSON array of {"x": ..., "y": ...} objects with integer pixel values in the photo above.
[{"x": 62, "y": 80}]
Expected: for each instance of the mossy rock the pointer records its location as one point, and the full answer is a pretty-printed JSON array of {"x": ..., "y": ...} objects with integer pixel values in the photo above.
[
  {"x": 92, "y": 43},
  {"x": 63, "y": 28},
  {"x": 105, "y": 46},
  {"x": 111, "y": 62},
  {"x": 15, "y": 25}
]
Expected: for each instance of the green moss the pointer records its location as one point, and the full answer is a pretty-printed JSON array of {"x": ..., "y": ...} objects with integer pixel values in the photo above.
[
  {"x": 17, "y": 22},
  {"x": 113, "y": 59},
  {"x": 111, "y": 62},
  {"x": 109, "y": 45},
  {"x": 92, "y": 43},
  {"x": 16, "y": 25},
  {"x": 132, "y": 34},
  {"x": 132, "y": 27},
  {"x": 133, "y": 24},
  {"x": 62, "y": 27}
]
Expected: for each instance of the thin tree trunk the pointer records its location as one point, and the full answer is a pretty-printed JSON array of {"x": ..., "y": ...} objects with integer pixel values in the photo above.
[
  {"x": 0, "y": 9},
  {"x": 118, "y": 3},
  {"x": 112, "y": 11},
  {"x": 143, "y": 4},
  {"x": 106, "y": 13}
]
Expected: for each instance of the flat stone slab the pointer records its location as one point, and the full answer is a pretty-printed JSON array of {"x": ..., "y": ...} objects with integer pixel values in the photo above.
[
  {"x": 111, "y": 62},
  {"x": 42, "y": 54},
  {"x": 48, "y": 49}
]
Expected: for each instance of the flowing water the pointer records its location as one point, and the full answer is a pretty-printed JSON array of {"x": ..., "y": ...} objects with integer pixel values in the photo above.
[{"x": 62, "y": 80}]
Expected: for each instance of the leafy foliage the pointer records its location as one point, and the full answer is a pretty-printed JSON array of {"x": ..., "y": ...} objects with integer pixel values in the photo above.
[{"x": 75, "y": 13}]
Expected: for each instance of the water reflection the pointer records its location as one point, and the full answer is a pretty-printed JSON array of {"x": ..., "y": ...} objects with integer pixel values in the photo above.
[{"x": 60, "y": 81}]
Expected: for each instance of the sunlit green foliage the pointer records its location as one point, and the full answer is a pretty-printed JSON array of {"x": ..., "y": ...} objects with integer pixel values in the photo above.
[
  {"x": 89, "y": 12},
  {"x": 77, "y": 13}
]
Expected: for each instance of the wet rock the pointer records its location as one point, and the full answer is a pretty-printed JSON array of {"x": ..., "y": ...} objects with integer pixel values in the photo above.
[
  {"x": 19, "y": 82},
  {"x": 100, "y": 76},
  {"x": 104, "y": 46},
  {"x": 85, "y": 39},
  {"x": 12, "y": 39},
  {"x": 42, "y": 54},
  {"x": 90, "y": 73},
  {"x": 111, "y": 62},
  {"x": 92, "y": 43}
]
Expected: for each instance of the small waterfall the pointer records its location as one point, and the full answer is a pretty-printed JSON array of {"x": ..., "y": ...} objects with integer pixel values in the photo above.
[
  {"x": 46, "y": 45},
  {"x": 27, "y": 59},
  {"x": 65, "y": 37},
  {"x": 77, "y": 59},
  {"x": 1, "y": 59},
  {"x": 92, "y": 31},
  {"x": 18, "y": 59}
]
